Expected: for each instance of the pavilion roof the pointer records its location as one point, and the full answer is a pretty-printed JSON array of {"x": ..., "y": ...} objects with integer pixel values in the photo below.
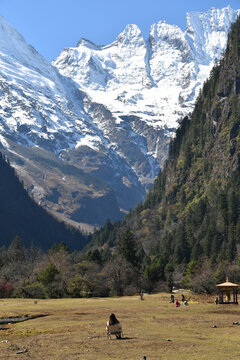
[{"x": 228, "y": 284}]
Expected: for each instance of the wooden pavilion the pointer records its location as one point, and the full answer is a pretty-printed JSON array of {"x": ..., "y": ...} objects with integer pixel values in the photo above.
[{"x": 228, "y": 292}]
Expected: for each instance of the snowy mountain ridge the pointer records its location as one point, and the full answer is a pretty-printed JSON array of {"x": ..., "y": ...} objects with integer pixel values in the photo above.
[
  {"x": 89, "y": 133},
  {"x": 157, "y": 79}
]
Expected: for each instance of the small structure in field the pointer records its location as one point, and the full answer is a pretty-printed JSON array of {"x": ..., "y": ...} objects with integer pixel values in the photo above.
[{"x": 228, "y": 292}]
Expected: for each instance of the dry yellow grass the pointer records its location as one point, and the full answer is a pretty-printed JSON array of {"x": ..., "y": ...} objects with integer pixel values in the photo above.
[{"x": 75, "y": 329}]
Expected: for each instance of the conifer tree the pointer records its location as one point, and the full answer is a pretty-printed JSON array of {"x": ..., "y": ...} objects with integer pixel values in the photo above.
[{"x": 127, "y": 247}]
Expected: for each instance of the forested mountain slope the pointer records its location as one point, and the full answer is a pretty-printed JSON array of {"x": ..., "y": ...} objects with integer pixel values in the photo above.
[
  {"x": 21, "y": 216},
  {"x": 193, "y": 210}
]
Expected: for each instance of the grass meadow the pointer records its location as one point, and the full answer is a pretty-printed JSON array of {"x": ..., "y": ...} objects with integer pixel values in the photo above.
[{"x": 75, "y": 329}]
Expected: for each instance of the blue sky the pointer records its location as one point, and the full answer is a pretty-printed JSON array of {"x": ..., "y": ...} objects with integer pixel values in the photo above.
[{"x": 51, "y": 25}]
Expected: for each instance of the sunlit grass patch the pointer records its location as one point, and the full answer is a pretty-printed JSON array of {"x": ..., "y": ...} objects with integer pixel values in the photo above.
[{"x": 75, "y": 329}]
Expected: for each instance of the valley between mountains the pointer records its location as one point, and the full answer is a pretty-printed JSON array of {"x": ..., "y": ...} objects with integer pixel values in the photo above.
[{"x": 89, "y": 133}]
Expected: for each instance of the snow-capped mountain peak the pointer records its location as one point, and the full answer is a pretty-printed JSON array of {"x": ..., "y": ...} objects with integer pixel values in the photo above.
[
  {"x": 207, "y": 32},
  {"x": 10, "y": 39},
  {"x": 88, "y": 43},
  {"x": 168, "y": 48},
  {"x": 131, "y": 36},
  {"x": 13, "y": 45},
  {"x": 158, "y": 79}
]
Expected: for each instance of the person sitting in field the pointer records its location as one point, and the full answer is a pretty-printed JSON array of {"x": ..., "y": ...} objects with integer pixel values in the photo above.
[
  {"x": 177, "y": 304},
  {"x": 185, "y": 303},
  {"x": 114, "y": 327}
]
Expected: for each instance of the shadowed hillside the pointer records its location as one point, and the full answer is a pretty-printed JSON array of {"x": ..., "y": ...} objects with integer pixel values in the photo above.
[{"x": 20, "y": 215}]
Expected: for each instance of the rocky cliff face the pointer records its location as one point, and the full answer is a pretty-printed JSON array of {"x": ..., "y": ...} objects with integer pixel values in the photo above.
[{"x": 89, "y": 133}]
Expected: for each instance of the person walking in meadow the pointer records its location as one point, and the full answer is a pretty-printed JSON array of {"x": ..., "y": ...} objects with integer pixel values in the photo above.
[
  {"x": 177, "y": 303},
  {"x": 114, "y": 327}
]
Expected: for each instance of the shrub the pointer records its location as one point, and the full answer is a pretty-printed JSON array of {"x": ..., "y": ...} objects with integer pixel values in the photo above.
[
  {"x": 6, "y": 289},
  {"x": 79, "y": 287}
]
